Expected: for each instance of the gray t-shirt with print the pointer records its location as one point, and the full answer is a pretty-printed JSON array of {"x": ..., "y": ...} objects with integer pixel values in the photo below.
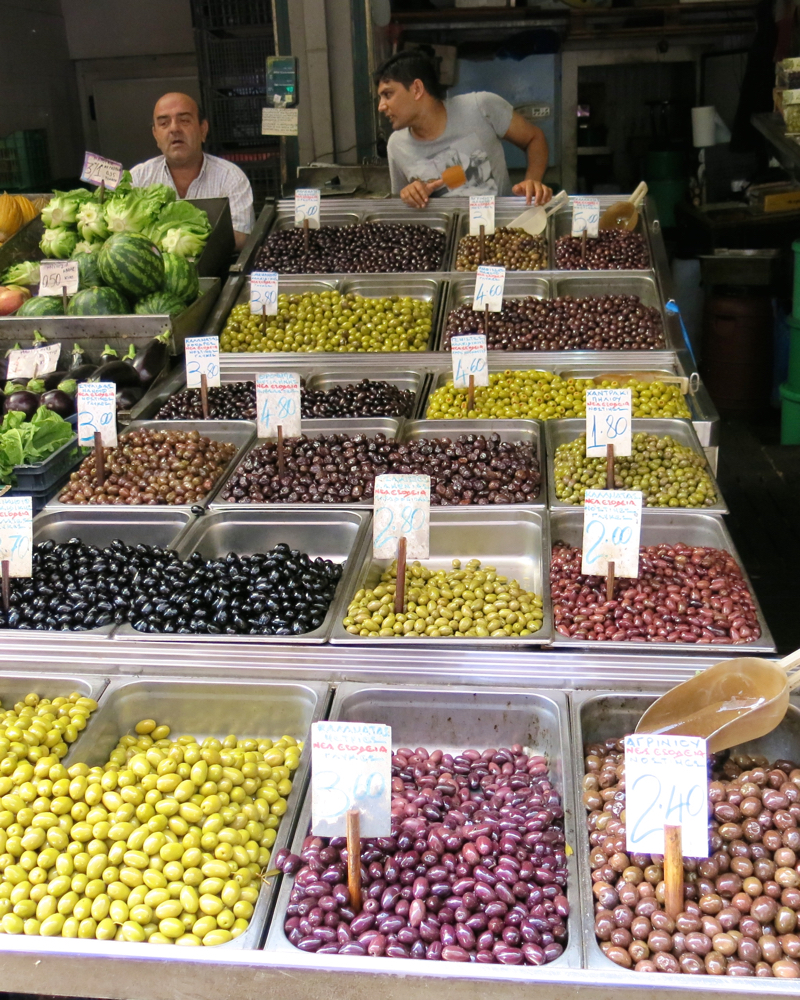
[{"x": 475, "y": 124}]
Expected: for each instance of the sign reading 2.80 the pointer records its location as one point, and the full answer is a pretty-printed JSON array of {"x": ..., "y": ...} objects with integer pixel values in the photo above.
[{"x": 402, "y": 510}]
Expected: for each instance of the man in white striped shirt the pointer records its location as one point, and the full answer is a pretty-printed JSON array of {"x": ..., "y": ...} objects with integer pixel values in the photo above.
[{"x": 180, "y": 129}]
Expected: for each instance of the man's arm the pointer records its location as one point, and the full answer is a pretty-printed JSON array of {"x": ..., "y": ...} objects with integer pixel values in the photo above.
[{"x": 531, "y": 140}]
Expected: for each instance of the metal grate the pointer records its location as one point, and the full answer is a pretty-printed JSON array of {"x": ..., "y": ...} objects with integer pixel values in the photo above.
[
  {"x": 235, "y": 66},
  {"x": 263, "y": 169},
  {"x": 214, "y": 15},
  {"x": 235, "y": 120}
]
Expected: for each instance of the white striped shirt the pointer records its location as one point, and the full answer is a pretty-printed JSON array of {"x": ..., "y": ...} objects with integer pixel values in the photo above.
[{"x": 218, "y": 178}]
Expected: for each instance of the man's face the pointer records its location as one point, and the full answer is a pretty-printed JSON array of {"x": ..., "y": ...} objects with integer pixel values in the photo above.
[
  {"x": 398, "y": 103},
  {"x": 177, "y": 130}
]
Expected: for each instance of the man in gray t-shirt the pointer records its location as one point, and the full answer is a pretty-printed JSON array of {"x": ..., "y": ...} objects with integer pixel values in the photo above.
[{"x": 442, "y": 147}]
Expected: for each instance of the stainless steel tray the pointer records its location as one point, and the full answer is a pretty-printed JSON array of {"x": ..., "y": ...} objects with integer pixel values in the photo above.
[
  {"x": 560, "y": 224},
  {"x": 20, "y": 681},
  {"x": 211, "y": 708},
  {"x": 237, "y": 432},
  {"x": 689, "y": 527},
  {"x": 560, "y": 432},
  {"x": 530, "y": 432},
  {"x": 335, "y": 534},
  {"x": 452, "y": 719},
  {"x": 513, "y": 539},
  {"x": 503, "y": 214}
]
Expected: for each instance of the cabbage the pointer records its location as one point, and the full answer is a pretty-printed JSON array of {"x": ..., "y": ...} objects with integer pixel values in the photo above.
[
  {"x": 92, "y": 222},
  {"x": 130, "y": 213},
  {"x": 183, "y": 242},
  {"x": 63, "y": 208},
  {"x": 59, "y": 242},
  {"x": 84, "y": 246},
  {"x": 26, "y": 273}
]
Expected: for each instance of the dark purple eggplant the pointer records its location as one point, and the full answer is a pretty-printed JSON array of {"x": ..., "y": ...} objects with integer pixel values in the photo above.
[
  {"x": 77, "y": 358},
  {"x": 128, "y": 397},
  {"x": 153, "y": 358},
  {"x": 51, "y": 381},
  {"x": 120, "y": 373},
  {"x": 14, "y": 385},
  {"x": 22, "y": 400},
  {"x": 59, "y": 402},
  {"x": 83, "y": 373},
  {"x": 109, "y": 354},
  {"x": 130, "y": 357},
  {"x": 36, "y": 386}
]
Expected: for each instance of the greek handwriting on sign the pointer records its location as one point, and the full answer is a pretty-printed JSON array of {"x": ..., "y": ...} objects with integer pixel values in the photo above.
[
  {"x": 57, "y": 275},
  {"x": 481, "y": 213},
  {"x": 666, "y": 781},
  {"x": 306, "y": 206},
  {"x": 402, "y": 509},
  {"x": 264, "y": 293},
  {"x": 278, "y": 404},
  {"x": 97, "y": 411},
  {"x": 351, "y": 768},
  {"x": 202, "y": 358},
  {"x": 612, "y": 526},
  {"x": 608, "y": 422},
  {"x": 585, "y": 216},
  {"x": 489, "y": 283},
  {"x": 97, "y": 169},
  {"x": 16, "y": 534},
  {"x": 469, "y": 358},
  {"x": 34, "y": 362}
]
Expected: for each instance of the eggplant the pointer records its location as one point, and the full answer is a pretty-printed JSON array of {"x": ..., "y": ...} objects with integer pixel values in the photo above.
[
  {"x": 128, "y": 397},
  {"x": 130, "y": 357},
  {"x": 24, "y": 401},
  {"x": 36, "y": 386},
  {"x": 120, "y": 373},
  {"x": 109, "y": 354},
  {"x": 59, "y": 402},
  {"x": 14, "y": 385},
  {"x": 4, "y": 361},
  {"x": 153, "y": 358},
  {"x": 39, "y": 339},
  {"x": 51, "y": 381},
  {"x": 77, "y": 358},
  {"x": 83, "y": 373}
]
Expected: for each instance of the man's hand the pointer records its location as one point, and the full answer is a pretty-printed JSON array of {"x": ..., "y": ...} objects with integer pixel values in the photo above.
[
  {"x": 535, "y": 192},
  {"x": 417, "y": 194}
]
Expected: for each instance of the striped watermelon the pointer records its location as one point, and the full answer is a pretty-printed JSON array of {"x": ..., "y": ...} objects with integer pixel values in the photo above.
[
  {"x": 159, "y": 303},
  {"x": 42, "y": 305},
  {"x": 132, "y": 264},
  {"x": 97, "y": 302},
  {"x": 180, "y": 278},
  {"x": 88, "y": 270}
]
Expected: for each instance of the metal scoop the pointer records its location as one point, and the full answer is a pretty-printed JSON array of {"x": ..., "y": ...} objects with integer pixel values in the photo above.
[
  {"x": 533, "y": 220},
  {"x": 624, "y": 214},
  {"x": 730, "y": 703}
]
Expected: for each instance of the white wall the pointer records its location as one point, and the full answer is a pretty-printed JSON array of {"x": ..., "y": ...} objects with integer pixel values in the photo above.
[{"x": 99, "y": 29}]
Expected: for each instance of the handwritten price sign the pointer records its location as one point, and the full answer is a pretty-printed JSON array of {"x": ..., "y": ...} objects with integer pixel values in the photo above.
[
  {"x": 481, "y": 213},
  {"x": 97, "y": 169},
  {"x": 612, "y": 526},
  {"x": 306, "y": 206},
  {"x": 351, "y": 765},
  {"x": 585, "y": 216},
  {"x": 202, "y": 358},
  {"x": 489, "y": 283},
  {"x": 34, "y": 362},
  {"x": 278, "y": 404},
  {"x": 469, "y": 358},
  {"x": 56, "y": 275},
  {"x": 16, "y": 534},
  {"x": 666, "y": 781},
  {"x": 264, "y": 293},
  {"x": 402, "y": 509},
  {"x": 608, "y": 421},
  {"x": 97, "y": 411}
]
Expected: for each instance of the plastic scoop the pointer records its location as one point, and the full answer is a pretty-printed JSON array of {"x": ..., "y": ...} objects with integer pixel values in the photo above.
[
  {"x": 454, "y": 177},
  {"x": 624, "y": 214},
  {"x": 533, "y": 220},
  {"x": 730, "y": 703}
]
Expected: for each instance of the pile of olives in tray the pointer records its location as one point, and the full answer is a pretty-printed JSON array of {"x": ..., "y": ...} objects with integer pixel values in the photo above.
[
  {"x": 540, "y": 395},
  {"x": 513, "y": 249},
  {"x": 610, "y": 250},
  {"x": 330, "y": 321},
  {"x": 668, "y": 473}
]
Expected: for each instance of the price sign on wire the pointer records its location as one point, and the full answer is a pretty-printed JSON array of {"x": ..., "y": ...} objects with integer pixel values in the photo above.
[
  {"x": 612, "y": 526},
  {"x": 351, "y": 768},
  {"x": 56, "y": 275},
  {"x": 202, "y": 358},
  {"x": 306, "y": 206},
  {"x": 666, "y": 782},
  {"x": 481, "y": 213},
  {"x": 608, "y": 421},
  {"x": 16, "y": 534},
  {"x": 489, "y": 283},
  {"x": 98, "y": 168},
  {"x": 278, "y": 404},
  {"x": 585, "y": 216},
  {"x": 264, "y": 293},
  {"x": 402, "y": 509},
  {"x": 469, "y": 358},
  {"x": 34, "y": 362},
  {"x": 97, "y": 411}
]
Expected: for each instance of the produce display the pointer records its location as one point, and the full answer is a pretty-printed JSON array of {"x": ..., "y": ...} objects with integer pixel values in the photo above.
[
  {"x": 474, "y": 602},
  {"x": 683, "y": 593},
  {"x": 16, "y": 211},
  {"x": 25, "y": 442},
  {"x": 360, "y": 249},
  {"x": 610, "y": 250},
  {"x": 595, "y": 323},
  {"x": 741, "y": 903},
  {"x": 151, "y": 467},
  {"x": 341, "y": 468},
  {"x": 539, "y": 395},
  {"x": 77, "y": 587},
  {"x": 513, "y": 249},
  {"x": 668, "y": 473},
  {"x": 138, "y": 859},
  {"x": 237, "y": 401},
  {"x": 330, "y": 321}
]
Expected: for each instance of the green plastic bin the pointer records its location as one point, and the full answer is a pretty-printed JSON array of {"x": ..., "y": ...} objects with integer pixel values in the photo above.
[{"x": 790, "y": 415}]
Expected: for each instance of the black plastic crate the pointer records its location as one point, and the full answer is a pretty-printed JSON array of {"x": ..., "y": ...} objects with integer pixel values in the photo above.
[
  {"x": 40, "y": 498},
  {"x": 263, "y": 169},
  {"x": 24, "y": 164},
  {"x": 42, "y": 475},
  {"x": 220, "y": 14},
  {"x": 235, "y": 65},
  {"x": 235, "y": 119}
]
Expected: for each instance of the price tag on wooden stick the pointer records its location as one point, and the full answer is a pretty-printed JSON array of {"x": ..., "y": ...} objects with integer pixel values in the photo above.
[
  {"x": 34, "y": 362},
  {"x": 402, "y": 510},
  {"x": 264, "y": 293},
  {"x": 481, "y": 213},
  {"x": 56, "y": 275},
  {"x": 16, "y": 534},
  {"x": 202, "y": 358},
  {"x": 469, "y": 358},
  {"x": 306, "y": 206},
  {"x": 278, "y": 404},
  {"x": 612, "y": 525},
  {"x": 608, "y": 421},
  {"x": 97, "y": 411},
  {"x": 666, "y": 781},
  {"x": 97, "y": 170},
  {"x": 489, "y": 283},
  {"x": 351, "y": 768},
  {"x": 585, "y": 216}
]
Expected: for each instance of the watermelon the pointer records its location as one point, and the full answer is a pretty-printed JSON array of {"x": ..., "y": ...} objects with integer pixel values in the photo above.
[
  {"x": 132, "y": 264},
  {"x": 97, "y": 302},
  {"x": 181, "y": 278},
  {"x": 88, "y": 270},
  {"x": 159, "y": 303},
  {"x": 42, "y": 305}
]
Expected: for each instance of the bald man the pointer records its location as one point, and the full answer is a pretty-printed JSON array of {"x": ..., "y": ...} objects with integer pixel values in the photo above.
[{"x": 180, "y": 129}]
